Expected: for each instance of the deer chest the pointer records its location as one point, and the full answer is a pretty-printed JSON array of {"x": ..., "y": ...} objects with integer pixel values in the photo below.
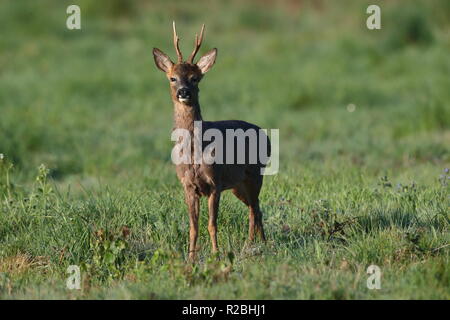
[{"x": 195, "y": 178}]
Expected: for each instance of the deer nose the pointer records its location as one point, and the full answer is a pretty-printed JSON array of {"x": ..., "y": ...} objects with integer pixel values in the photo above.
[{"x": 183, "y": 93}]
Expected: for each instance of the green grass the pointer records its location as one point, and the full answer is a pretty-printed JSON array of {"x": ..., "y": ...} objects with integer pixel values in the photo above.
[{"x": 353, "y": 189}]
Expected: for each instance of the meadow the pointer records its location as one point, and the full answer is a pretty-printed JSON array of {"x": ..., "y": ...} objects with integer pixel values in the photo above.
[{"x": 86, "y": 176}]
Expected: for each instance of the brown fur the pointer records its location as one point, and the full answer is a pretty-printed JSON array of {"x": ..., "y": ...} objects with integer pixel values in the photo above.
[{"x": 198, "y": 180}]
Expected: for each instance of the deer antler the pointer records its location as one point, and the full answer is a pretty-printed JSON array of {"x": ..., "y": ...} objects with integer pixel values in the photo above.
[
  {"x": 175, "y": 43},
  {"x": 198, "y": 43}
]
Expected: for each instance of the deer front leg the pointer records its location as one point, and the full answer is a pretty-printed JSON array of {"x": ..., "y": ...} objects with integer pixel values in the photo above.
[
  {"x": 193, "y": 203},
  {"x": 213, "y": 208}
]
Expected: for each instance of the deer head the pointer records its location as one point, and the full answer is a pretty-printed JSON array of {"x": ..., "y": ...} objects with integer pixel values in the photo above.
[{"x": 184, "y": 77}]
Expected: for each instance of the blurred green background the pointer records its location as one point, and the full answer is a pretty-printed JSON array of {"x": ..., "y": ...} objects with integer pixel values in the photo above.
[
  {"x": 352, "y": 105},
  {"x": 91, "y": 102}
]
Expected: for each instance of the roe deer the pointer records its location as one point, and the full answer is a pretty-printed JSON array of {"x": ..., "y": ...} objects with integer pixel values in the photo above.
[{"x": 244, "y": 179}]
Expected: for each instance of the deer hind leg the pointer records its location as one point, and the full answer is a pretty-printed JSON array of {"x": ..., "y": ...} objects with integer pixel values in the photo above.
[
  {"x": 213, "y": 208},
  {"x": 240, "y": 191},
  {"x": 248, "y": 193},
  {"x": 256, "y": 212},
  {"x": 193, "y": 202}
]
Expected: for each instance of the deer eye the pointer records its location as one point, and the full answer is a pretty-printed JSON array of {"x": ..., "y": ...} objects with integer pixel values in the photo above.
[
  {"x": 173, "y": 79},
  {"x": 194, "y": 79}
]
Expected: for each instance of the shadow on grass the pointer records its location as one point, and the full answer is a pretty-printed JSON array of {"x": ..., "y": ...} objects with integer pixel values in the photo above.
[{"x": 399, "y": 218}]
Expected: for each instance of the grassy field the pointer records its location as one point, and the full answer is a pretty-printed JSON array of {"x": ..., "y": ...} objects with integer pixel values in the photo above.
[{"x": 364, "y": 116}]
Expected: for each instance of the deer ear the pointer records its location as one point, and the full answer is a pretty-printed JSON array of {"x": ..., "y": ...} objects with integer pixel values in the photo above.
[
  {"x": 162, "y": 61},
  {"x": 207, "y": 61}
]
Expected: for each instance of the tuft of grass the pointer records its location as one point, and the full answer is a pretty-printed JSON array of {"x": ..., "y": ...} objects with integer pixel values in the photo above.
[{"x": 411, "y": 26}]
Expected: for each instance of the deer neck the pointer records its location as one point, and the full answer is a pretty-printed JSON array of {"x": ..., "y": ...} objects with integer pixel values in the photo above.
[{"x": 185, "y": 115}]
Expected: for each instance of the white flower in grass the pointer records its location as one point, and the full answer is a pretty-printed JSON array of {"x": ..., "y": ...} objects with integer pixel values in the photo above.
[{"x": 2, "y": 156}]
